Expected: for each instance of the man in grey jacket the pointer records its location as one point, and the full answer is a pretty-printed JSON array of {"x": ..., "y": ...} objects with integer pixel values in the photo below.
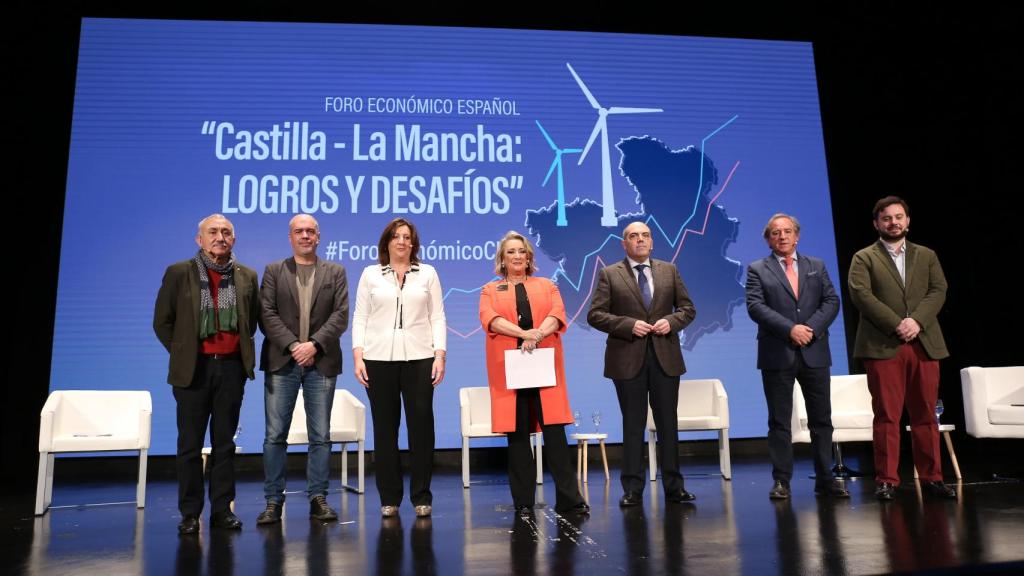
[{"x": 304, "y": 312}]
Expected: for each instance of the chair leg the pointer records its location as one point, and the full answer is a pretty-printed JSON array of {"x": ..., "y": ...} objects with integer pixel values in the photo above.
[
  {"x": 41, "y": 482},
  {"x": 840, "y": 470},
  {"x": 652, "y": 456},
  {"x": 362, "y": 469},
  {"x": 465, "y": 462},
  {"x": 539, "y": 457},
  {"x": 344, "y": 466},
  {"x": 140, "y": 490},
  {"x": 48, "y": 497},
  {"x": 724, "y": 462}
]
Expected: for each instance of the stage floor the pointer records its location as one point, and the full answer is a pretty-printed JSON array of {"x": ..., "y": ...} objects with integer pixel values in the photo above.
[{"x": 732, "y": 528}]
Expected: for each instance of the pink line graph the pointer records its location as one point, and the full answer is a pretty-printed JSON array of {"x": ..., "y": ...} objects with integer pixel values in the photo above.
[
  {"x": 707, "y": 215},
  {"x": 599, "y": 263}
]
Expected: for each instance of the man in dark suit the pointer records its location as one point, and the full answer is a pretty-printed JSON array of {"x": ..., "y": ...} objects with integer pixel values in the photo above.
[
  {"x": 304, "y": 312},
  {"x": 793, "y": 302},
  {"x": 642, "y": 304},
  {"x": 898, "y": 288},
  {"x": 205, "y": 316}
]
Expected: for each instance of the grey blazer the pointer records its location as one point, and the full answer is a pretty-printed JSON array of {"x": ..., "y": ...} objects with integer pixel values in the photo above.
[
  {"x": 617, "y": 305},
  {"x": 279, "y": 317}
]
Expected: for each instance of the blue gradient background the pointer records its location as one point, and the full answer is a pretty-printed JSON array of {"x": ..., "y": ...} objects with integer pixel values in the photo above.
[{"x": 141, "y": 175}]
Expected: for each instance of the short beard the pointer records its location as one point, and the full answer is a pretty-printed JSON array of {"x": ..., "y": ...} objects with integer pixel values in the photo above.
[{"x": 891, "y": 238}]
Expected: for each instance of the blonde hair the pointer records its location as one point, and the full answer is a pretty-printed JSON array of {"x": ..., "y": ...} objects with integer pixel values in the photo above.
[{"x": 499, "y": 265}]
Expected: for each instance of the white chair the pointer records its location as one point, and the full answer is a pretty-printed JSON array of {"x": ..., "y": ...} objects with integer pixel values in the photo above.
[
  {"x": 994, "y": 401},
  {"x": 852, "y": 415},
  {"x": 475, "y": 412},
  {"x": 92, "y": 421},
  {"x": 348, "y": 425},
  {"x": 703, "y": 405}
]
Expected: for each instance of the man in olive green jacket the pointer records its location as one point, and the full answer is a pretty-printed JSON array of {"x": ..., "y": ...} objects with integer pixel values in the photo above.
[{"x": 899, "y": 288}]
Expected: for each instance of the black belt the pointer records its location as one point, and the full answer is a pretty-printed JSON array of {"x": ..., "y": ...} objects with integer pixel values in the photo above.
[{"x": 232, "y": 356}]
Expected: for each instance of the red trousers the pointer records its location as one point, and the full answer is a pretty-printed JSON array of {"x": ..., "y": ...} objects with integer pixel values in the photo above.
[{"x": 908, "y": 379}]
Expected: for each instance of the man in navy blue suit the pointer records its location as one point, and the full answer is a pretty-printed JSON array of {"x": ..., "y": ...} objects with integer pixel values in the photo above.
[{"x": 792, "y": 300}]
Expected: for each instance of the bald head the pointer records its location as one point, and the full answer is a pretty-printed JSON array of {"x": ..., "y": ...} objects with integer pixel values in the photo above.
[
  {"x": 304, "y": 220},
  {"x": 636, "y": 241},
  {"x": 304, "y": 236}
]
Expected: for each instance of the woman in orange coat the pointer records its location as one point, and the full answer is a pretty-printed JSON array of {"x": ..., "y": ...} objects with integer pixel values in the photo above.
[{"x": 521, "y": 311}]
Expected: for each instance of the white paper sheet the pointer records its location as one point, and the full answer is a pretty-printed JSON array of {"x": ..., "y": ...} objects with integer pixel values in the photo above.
[{"x": 529, "y": 370}]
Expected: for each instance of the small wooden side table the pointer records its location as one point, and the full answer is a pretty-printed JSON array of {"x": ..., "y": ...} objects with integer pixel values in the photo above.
[
  {"x": 582, "y": 440},
  {"x": 945, "y": 429}
]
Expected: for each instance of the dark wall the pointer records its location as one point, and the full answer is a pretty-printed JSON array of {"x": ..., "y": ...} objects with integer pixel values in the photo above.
[{"x": 915, "y": 104}]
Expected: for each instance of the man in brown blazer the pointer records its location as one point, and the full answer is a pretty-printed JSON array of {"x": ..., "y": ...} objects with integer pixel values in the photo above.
[
  {"x": 205, "y": 316},
  {"x": 642, "y": 304},
  {"x": 898, "y": 288}
]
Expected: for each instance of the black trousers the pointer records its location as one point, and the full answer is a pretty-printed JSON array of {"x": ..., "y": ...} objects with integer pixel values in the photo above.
[
  {"x": 393, "y": 384},
  {"x": 214, "y": 397},
  {"x": 651, "y": 385},
  {"x": 778, "y": 392},
  {"x": 522, "y": 475}
]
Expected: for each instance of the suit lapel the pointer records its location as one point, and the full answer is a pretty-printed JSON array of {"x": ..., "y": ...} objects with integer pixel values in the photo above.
[
  {"x": 662, "y": 284},
  {"x": 318, "y": 281},
  {"x": 882, "y": 252},
  {"x": 196, "y": 289},
  {"x": 626, "y": 274},
  {"x": 288, "y": 274},
  {"x": 775, "y": 266},
  {"x": 908, "y": 264},
  {"x": 803, "y": 268}
]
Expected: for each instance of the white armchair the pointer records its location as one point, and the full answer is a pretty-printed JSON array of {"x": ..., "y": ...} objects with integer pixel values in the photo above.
[
  {"x": 475, "y": 412},
  {"x": 994, "y": 401},
  {"x": 92, "y": 421},
  {"x": 852, "y": 415},
  {"x": 703, "y": 405},
  {"x": 348, "y": 425}
]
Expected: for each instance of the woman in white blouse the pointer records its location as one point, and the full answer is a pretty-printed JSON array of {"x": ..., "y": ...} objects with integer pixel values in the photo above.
[{"x": 398, "y": 349}]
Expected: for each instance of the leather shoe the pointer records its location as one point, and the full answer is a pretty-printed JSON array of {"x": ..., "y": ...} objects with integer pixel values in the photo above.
[
  {"x": 319, "y": 510},
  {"x": 938, "y": 489},
  {"x": 631, "y": 498},
  {"x": 580, "y": 509},
  {"x": 680, "y": 496},
  {"x": 188, "y": 525},
  {"x": 835, "y": 489},
  {"x": 524, "y": 512},
  {"x": 226, "y": 520},
  {"x": 271, "y": 515},
  {"x": 780, "y": 491},
  {"x": 885, "y": 491}
]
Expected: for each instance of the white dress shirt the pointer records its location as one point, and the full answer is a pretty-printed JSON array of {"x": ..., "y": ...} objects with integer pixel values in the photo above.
[
  {"x": 782, "y": 262},
  {"x": 392, "y": 323},
  {"x": 899, "y": 257},
  {"x": 648, "y": 272}
]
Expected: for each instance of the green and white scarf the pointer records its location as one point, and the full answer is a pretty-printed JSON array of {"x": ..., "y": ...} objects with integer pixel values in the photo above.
[{"x": 225, "y": 316}]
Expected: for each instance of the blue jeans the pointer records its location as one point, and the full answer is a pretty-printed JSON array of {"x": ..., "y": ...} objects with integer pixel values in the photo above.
[{"x": 279, "y": 395}]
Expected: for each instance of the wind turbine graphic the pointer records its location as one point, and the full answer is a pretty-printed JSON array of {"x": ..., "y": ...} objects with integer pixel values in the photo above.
[
  {"x": 601, "y": 126},
  {"x": 557, "y": 162}
]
